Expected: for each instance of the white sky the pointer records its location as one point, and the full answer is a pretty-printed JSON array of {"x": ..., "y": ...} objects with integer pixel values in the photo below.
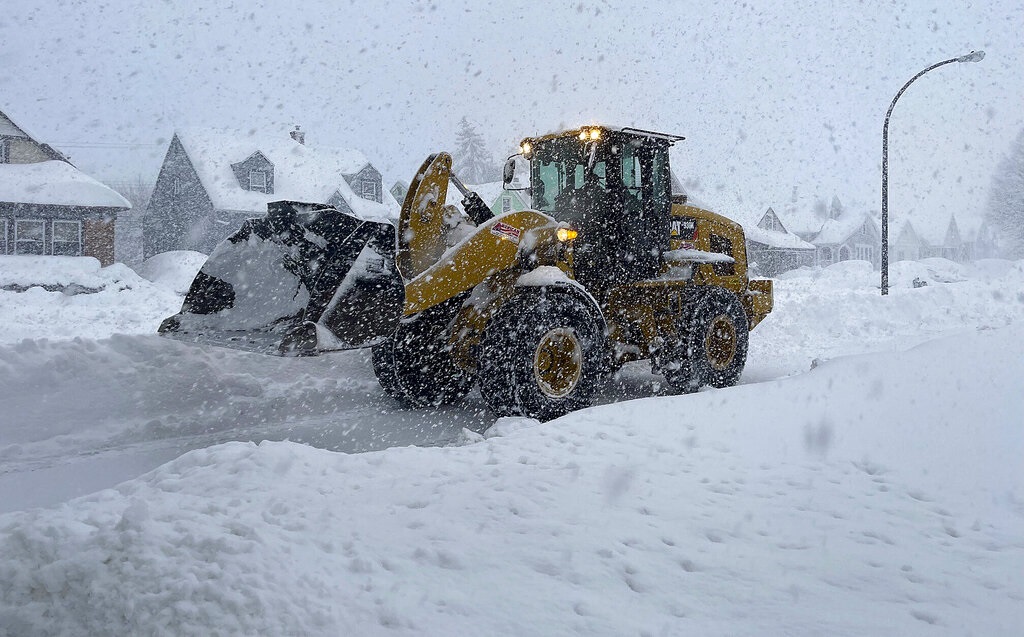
[{"x": 771, "y": 95}]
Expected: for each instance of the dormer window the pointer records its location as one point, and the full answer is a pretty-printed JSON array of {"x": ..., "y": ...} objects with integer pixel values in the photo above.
[
  {"x": 258, "y": 180},
  {"x": 369, "y": 190}
]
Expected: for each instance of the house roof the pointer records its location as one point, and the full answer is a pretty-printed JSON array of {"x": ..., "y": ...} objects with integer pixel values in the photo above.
[
  {"x": 9, "y": 129},
  {"x": 775, "y": 239},
  {"x": 55, "y": 183},
  {"x": 772, "y": 238},
  {"x": 932, "y": 226},
  {"x": 839, "y": 230},
  {"x": 301, "y": 172}
]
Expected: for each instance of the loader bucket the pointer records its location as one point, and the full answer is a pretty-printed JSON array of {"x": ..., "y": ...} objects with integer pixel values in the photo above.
[{"x": 305, "y": 278}]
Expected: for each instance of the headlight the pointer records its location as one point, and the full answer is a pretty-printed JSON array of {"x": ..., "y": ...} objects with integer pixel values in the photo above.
[{"x": 566, "y": 234}]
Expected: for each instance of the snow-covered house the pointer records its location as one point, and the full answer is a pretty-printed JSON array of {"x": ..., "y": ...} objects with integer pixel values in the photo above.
[
  {"x": 908, "y": 244},
  {"x": 982, "y": 240},
  {"x": 499, "y": 200},
  {"x": 920, "y": 238},
  {"x": 47, "y": 205},
  {"x": 772, "y": 248},
  {"x": 212, "y": 180},
  {"x": 398, "y": 190},
  {"x": 847, "y": 235}
]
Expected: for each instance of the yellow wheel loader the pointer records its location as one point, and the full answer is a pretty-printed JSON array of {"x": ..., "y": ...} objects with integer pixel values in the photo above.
[{"x": 535, "y": 306}]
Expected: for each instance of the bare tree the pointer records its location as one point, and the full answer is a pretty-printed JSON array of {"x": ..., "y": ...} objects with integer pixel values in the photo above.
[
  {"x": 1005, "y": 210},
  {"x": 128, "y": 227}
]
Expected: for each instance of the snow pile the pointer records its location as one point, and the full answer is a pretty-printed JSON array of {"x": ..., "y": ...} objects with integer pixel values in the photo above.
[
  {"x": 173, "y": 270},
  {"x": 821, "y": 313},
  {"x": 878, "y": 494},
  {"x": 67, "y": 297}
]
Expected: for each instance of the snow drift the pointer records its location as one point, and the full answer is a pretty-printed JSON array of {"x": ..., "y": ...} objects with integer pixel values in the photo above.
[{"x": 875, "y": 494}]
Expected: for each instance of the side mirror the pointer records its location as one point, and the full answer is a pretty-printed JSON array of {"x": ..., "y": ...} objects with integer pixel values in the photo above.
[{"x": 509, "y": 172}]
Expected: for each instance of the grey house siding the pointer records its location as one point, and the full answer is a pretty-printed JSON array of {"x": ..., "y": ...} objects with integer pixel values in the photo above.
[
  {"x": 176, "y": 220},
  {"x": 256, "y": 161},
  {"x": 771, "y": 261},
  {"x": 339, "y": 202},
  {"x": 368, "y": 175}
]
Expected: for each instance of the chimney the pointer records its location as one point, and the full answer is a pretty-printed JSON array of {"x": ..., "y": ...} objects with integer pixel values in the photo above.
[{"x": 298, "y": 135}]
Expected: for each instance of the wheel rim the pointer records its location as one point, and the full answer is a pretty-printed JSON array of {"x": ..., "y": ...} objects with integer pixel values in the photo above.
[
  {"x": 720, "y": 342},
  {"x": 558, "y": 362}
]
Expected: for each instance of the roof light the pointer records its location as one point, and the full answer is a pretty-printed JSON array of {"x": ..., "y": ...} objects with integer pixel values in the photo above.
[
  {"x": 526, "y": 148},
  {"x": 595, "y": 134},
  {"x": 583, "y": 135}
]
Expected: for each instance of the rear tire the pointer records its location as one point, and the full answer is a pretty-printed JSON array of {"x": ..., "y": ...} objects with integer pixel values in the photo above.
[
  {"x": 712, "y": 346},
  {"x": 541, "y": 355},
  {"x": 415, "y": 366}
]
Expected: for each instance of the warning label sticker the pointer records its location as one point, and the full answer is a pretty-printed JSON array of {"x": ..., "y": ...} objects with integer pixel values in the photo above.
[{"x": 506, "y": 231}]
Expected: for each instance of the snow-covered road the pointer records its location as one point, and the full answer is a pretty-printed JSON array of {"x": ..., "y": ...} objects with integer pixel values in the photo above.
[{"x": 865, "y": 478}]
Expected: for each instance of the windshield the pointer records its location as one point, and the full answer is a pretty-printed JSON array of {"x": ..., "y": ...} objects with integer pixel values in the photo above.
[{"x": 560, "y": 171}]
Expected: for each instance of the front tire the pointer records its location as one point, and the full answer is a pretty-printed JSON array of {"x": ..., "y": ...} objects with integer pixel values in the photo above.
[
  {"x": 712, "y": 345},
  {"x": 415, "y": 365},
  {"x": 541, "y": 355}
]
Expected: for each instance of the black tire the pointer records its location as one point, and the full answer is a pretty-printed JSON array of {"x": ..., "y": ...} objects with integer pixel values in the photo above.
[
  {"x": 415, "y": 366},
  {"x": 541, "y": 355},
  {"x": 712, "y": 345}
]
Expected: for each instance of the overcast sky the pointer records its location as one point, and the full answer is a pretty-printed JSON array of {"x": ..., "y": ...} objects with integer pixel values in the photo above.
[{"x": 776, "y": 99}]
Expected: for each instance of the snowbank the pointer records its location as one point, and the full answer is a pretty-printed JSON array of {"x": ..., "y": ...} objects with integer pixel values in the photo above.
[
  {"x": 61, "y": 298},
  {"x": 877, "y": 494},
  {"x": 173, "y": 270}
]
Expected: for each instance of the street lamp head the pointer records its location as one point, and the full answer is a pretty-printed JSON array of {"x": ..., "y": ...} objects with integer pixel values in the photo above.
[{"x": 973, "y": 56}]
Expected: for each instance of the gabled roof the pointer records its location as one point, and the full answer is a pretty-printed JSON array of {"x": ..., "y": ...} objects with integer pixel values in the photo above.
[
  {"x": 55, "y": 183},
  {"x": 10, "y": 129},
  {"x": 772, "y": 238},
  {"x": 301, "y": 172},
  {"x": 933, "y": 227},
  {"x": 838, "y": 230},
  {"x": 776, "y": 239},
  {"x": 908, "y": 234}
]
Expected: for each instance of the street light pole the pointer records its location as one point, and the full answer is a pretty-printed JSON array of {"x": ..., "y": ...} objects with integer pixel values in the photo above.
[{"x": 973, "y": 56}]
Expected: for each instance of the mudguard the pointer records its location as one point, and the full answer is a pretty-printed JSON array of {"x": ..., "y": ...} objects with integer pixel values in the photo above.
[{"x": 305, "y": 278}]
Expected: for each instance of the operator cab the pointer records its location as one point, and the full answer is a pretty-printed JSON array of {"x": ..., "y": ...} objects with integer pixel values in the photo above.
[{"x": 613, "y": 186}]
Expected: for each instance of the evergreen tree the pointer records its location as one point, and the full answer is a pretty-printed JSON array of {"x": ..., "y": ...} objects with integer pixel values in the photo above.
[
  {"x": 1005, "y": 210},
  {"x": 472, "y": 162}
]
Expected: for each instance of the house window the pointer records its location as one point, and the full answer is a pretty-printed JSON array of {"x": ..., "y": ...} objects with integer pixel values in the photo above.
[
  {"x": 369, "y": 190},
  {"x": 867, "y": 253},
  {"x": 29, "y": 236},
  {"x": 506, "y": 204},
  {"x": 258, "y": 180},
  {"x": 177, "y": 187},
  {"x": 826, "y": 256},
  {"x": 67, "y": 238},
  {"x": 3, "y": 237},
  {"x": 5, "y": 151},
  {"x": 844, "y": 253}
]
